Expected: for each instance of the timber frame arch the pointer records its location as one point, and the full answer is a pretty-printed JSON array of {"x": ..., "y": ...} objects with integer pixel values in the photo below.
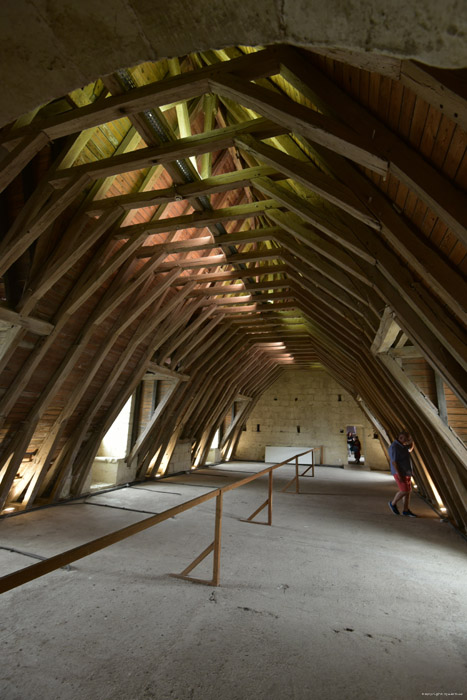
[{"x": 212, "y": 219}]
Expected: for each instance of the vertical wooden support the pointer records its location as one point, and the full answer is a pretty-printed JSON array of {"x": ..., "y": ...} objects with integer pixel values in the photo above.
[
  {"x": 209, "y": 106},
  {"x": 214, "y": 547},
  {"x": 267, "y": 502},
  {"x": 216, "y": 573},
  {"x": 271, "y": 473},
  {"x": 312, "y": 465},
  {"x": 295, "y": 479}
]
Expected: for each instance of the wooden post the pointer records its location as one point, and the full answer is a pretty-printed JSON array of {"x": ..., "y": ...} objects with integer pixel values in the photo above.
[
  {"x": 217, "y": 541},
  {"x": 297, "y": 485},
  {"x": 214, "y": 547},
  {"x": 271, "y": 473}
]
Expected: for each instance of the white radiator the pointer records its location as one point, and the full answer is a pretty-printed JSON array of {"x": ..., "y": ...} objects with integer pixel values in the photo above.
[{"x": 279, "y": 454}]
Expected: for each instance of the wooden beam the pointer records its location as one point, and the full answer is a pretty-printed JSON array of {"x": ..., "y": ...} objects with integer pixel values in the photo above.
[
  {"x": 167, "y": 153},
  {"x": 445, "y": 90},
  {"x": 365, "y": 60},
  {"x": 198, "y": 219},
  {"x": 323, "y": 218},
  {"x": 302, "y": 120},
  {"x": 441, "y": 398},
  {"x": 173, "y": 343},
  {"x": 308, "y": 175},
  {"x": 406, "y": 163},
  {"x": 16, "y": 243},
  {"x": 63, "y": 261},
  {"x": 237, "y": 179},
  {"x": 387, "y": 332},
  {"x": 427, "y": 410},
  {"x": 20, "y": 156},
  {"x": 258, "y": 271},
  {"x": 174, "y": 89},
  {"x": 165, "y": 373},
  {"x": 32, "y": 324},
  {"x": 406, "y": 351},
  {"x": 209, "y": 109}
]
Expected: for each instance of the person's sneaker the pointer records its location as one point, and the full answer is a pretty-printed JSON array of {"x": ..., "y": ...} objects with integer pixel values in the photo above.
[
  {"x": 394, "y": 509},
  {"x": 409, "y": 514}
]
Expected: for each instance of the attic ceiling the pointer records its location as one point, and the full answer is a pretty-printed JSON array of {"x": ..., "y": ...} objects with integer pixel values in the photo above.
[
  {"x": 49, "y": 47},
  {"x": 215, "y": 219}
]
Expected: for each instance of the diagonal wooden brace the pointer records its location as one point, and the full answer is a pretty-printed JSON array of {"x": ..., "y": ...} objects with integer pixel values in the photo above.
[
  {"x": 267, "y": 502},
  {"x": 295, "y": 479},
  {"x": 214, "y": 547}
]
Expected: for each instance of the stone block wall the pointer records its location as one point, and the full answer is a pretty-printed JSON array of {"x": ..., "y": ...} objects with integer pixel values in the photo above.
[{"x": 313, "y": 402}]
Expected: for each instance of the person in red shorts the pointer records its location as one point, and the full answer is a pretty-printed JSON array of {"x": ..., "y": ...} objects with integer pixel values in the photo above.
[{"x": 401, "y": 469}]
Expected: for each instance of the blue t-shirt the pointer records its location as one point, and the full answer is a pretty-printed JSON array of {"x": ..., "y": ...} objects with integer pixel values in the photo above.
[{"x": 400, "y": 453}]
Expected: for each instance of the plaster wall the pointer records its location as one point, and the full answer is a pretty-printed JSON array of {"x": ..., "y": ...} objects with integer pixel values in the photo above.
[
  {"x": 180, "y": 460},
  {"x": 309, "y": 399},
  {"x": 49, "y": 47}
]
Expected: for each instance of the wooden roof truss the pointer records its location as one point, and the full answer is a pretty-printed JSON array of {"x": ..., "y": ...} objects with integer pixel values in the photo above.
[{"x": 218, "y": 218}]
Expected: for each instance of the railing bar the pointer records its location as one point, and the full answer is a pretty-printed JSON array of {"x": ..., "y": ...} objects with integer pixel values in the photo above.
[{"x": 17, "y": 578}]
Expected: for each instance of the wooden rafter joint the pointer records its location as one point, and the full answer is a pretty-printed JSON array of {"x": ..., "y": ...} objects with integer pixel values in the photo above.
[
  {"x": 165, "y": 373},
  {"x": 34, "y": 325}
]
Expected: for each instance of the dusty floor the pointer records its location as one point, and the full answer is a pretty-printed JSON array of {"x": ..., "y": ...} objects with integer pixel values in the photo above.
[{"x": 338, "y": 599}]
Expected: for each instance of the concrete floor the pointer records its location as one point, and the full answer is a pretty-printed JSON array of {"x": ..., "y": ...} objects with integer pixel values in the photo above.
[{"x": 338, "y": 599}]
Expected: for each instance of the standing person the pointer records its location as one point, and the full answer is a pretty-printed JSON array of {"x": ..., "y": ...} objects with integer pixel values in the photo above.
[
  {"x": 401, "y": 469},
  {"x": 357, "y": 449},
  {"x": 349, "y": 444}
]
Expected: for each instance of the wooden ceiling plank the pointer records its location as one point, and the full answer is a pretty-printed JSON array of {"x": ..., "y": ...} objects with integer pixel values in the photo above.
[
  {"x": 405, "y": 162},
  {"x": 253, "y": 235},
  {"x": 312, "y": 270},
  {"x": 444, "y": 89},
  {"x": 406, "y": 351},
  {"x": 248, "y": 299},
  {"x": 313, "y": 240}
]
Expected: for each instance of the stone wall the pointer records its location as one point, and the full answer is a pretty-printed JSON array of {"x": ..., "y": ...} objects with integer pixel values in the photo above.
[
  {"x": 50, "y": 47},
  {"x": 308, "y": 399}
]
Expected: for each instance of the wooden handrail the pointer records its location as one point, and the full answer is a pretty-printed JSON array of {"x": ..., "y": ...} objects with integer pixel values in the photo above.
[{"x": 29, "y": 573}]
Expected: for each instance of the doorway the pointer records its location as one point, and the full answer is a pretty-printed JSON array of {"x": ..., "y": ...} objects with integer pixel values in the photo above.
[{"x": 355, "y": 446}]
